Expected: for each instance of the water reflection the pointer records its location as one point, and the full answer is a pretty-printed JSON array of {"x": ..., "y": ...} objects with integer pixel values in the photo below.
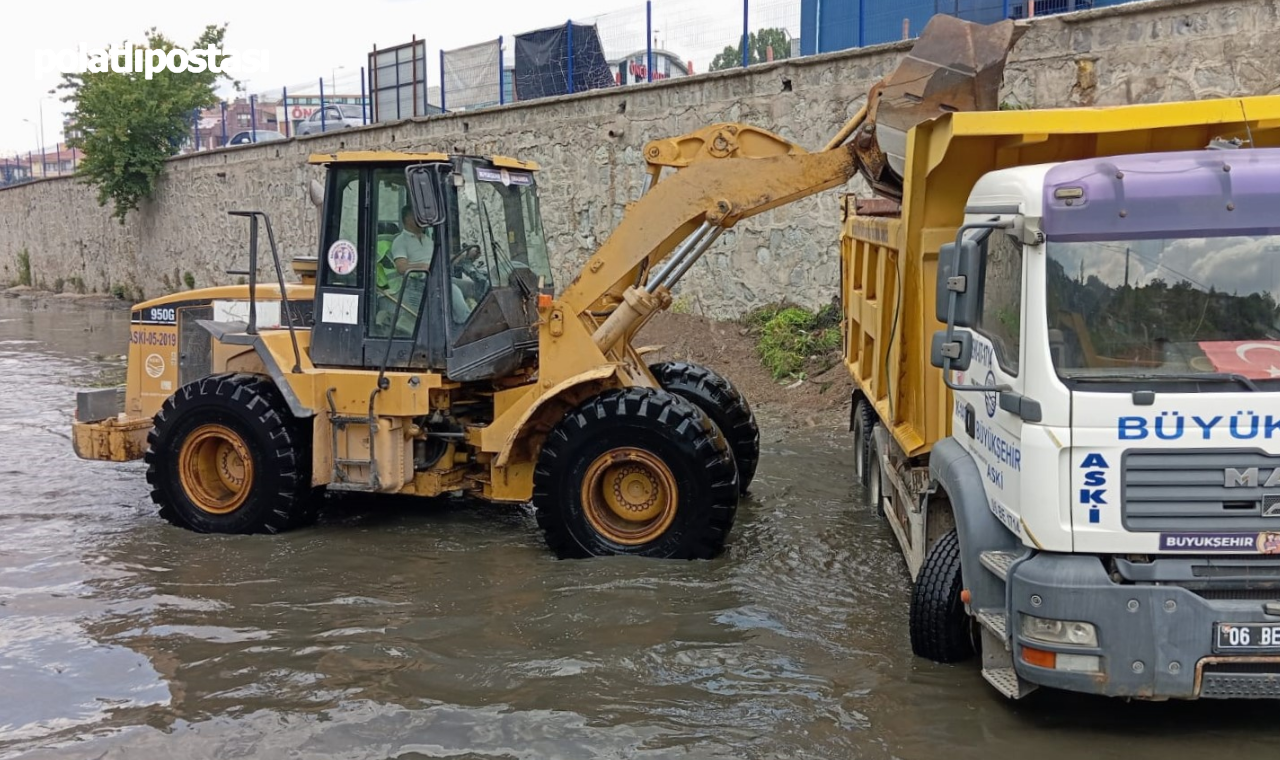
[{"x": 396, "y": 629}]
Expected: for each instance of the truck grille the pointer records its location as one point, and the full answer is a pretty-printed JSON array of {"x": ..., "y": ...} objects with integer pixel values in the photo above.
[{"x": 1190, "y": 491}]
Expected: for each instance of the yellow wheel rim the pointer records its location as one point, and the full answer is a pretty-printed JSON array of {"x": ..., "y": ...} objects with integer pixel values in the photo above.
[
  {"x": 216, "y": 469},
  {"x": 629, "y": 496}
]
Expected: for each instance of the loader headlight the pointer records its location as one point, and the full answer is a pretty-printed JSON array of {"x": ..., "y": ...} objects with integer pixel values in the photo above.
[{"x": 1070, "y": 632}]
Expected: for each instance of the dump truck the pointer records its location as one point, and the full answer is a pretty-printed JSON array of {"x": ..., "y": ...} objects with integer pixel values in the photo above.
[{"x": 1063, "y": 327}]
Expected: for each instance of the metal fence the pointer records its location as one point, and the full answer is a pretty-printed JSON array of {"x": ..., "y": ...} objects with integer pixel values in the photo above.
[
  {"x": 56, "y": 161},
  {"x": 338, "y": 100},
  {"x": 659, "y": 39},
  {"x": 644, "y": 42}
]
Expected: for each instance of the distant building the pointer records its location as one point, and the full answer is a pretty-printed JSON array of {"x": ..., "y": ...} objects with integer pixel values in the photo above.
[
  {"x": 59, "y": 161},
  {"x": 629, "y": 69},
  {"x": 69, "y": 128},
  {"x": 633, "y": 68},
  {"x": 62, "y": 160},
  {"x": 241, "y": 116},
  {"x": 300, "y": 107},
  {"x": 827, "y": 25},
  {"x": 13, "y": 171}
]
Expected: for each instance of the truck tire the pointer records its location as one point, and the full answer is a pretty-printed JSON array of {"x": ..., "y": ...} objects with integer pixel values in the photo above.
[
  {"x": 636, "y": 471},
  {"x": 875, "y": 482},
  {"x": 941, "y": 630},
  {"x": 226, "y": 456},
  {"x": 727, "y": 408},
  {"x": 864, "y": 422}
]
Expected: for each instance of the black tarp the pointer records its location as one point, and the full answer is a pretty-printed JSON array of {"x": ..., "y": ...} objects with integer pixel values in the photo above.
[{"x": 543, "y": 62}]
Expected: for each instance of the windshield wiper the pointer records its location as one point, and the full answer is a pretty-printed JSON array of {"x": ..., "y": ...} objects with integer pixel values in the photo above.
[{"x": 1220, "y": 377}]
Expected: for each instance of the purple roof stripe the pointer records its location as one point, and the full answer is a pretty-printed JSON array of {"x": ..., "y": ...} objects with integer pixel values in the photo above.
[{"x": 1201, "y": 193}]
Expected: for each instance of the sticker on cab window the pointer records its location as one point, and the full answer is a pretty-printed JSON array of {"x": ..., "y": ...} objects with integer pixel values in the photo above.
[
  {"x": 504, "y": 176},
  {"x": 342, "y": 257}
]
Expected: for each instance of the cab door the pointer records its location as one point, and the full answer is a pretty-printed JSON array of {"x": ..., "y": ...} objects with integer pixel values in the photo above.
[
  {"x": 991, "y": 434},
  {"x": 343, "y": 261},
  {"x": 406, "y": 310}
]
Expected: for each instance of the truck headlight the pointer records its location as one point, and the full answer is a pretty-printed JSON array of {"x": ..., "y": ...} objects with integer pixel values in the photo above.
[{"x": 1070, "y": 632}]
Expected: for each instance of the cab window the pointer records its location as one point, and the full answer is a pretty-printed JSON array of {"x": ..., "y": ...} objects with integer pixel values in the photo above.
[
  {"x": 1001, "y": 318},
  {"x": 394, "y": 237},
  {"x": 339, "y": 256}
]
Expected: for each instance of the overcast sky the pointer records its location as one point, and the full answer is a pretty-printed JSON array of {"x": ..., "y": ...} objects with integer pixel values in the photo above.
[{"x": 302, "y": 42}]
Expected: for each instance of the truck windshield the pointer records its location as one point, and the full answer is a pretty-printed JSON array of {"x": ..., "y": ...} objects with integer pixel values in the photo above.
[
  {"x": 501, "y": 226},
  {"x": 1196, "y": 309}
]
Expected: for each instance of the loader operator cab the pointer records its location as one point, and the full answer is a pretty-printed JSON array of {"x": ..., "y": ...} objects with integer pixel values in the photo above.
[{"x": 474, "y": 260}]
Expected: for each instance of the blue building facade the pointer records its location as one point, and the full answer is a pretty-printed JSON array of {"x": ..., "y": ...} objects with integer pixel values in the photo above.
[{"x": 828, "y": 25}]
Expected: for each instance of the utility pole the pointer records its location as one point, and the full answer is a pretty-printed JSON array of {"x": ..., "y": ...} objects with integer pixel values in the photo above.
[
  {"x": 40, "y": 144},
  {"x": 44, "y": 163}
]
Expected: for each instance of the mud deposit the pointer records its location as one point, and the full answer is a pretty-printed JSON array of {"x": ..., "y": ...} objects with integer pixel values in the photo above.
[{"x": 394, "y": 630}]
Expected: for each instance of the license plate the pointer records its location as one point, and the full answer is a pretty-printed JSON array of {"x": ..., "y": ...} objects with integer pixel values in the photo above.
[{"x": 1247, "y": 637}]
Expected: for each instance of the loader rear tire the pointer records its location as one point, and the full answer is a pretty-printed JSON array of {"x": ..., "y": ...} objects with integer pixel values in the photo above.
[
  {"x": 724, "y": 404},
  {"x": 636, "y": 471},
  {"x": 226, "y": 456},
  {"x": 941, "y": 629}
]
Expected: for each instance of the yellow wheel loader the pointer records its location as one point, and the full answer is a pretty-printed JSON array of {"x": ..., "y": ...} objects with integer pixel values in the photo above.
[{"x": 427, "y": 351}]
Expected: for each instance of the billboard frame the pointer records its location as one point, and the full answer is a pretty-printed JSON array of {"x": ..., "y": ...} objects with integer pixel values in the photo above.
[{"x": 390, "y": 60}]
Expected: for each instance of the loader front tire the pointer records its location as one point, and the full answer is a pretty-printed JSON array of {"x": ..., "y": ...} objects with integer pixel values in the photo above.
[
  {"x": 226, "y": 456},
  {"x": 724, "y": 404},
  {"x": 636, "y": 471}
]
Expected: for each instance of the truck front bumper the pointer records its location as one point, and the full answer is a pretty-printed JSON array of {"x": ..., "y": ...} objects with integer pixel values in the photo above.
[{"x": 1155, "y": 639}]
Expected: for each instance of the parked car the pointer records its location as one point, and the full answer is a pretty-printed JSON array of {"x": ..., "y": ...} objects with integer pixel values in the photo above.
[
  {"x": 330, "y": 118},
  {"x": 248, "y": 137}
]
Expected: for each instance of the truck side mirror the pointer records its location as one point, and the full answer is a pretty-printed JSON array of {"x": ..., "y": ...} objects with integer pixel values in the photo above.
[
  {"x": 424, "y": 191},
  {"x": 960, "y": 275},
  {"x": 959, "y": 349}
]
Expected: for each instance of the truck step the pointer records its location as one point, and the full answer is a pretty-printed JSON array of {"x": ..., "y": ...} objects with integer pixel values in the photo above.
[
  {"x": 1007, "y": 682},
  {"x": 996, "y": 622},
  {"x": 998, "y": 563},
  {"x": 356, "y": 462}
]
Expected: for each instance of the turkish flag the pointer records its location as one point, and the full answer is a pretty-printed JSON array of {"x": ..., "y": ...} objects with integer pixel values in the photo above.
[{"x": 1255, "y": 359}]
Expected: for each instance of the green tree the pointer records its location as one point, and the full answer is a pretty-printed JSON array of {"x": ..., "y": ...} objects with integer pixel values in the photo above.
[
  {"x": 127, "y": 124},
  {"x": 758, "y": 44}
]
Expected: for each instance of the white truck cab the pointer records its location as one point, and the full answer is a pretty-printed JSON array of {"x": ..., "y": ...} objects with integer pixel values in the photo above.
[{"x": 1113, "y": 348}]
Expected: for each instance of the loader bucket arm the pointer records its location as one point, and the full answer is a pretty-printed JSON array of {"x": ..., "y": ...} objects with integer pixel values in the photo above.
[
  {"x": 727, "y": 172},
  {"x": 680, "y": 215}
]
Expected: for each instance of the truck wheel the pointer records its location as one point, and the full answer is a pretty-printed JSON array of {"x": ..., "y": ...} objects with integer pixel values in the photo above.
[
  {"x": 875, "y": 485},
  {"x": 864, "y": 422},
  {"x": 636, "y": 471},
  {"x": 226, "y": 456},
  {"x": 940, "y": 628},
  {"x": 724, "y": 404}
]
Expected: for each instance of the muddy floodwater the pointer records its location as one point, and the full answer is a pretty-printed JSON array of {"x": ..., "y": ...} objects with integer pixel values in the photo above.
[{"x": 397, "y": 630}]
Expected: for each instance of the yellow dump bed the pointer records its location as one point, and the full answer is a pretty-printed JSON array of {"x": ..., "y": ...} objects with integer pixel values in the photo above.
[{"x": 889, "y": 253}]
